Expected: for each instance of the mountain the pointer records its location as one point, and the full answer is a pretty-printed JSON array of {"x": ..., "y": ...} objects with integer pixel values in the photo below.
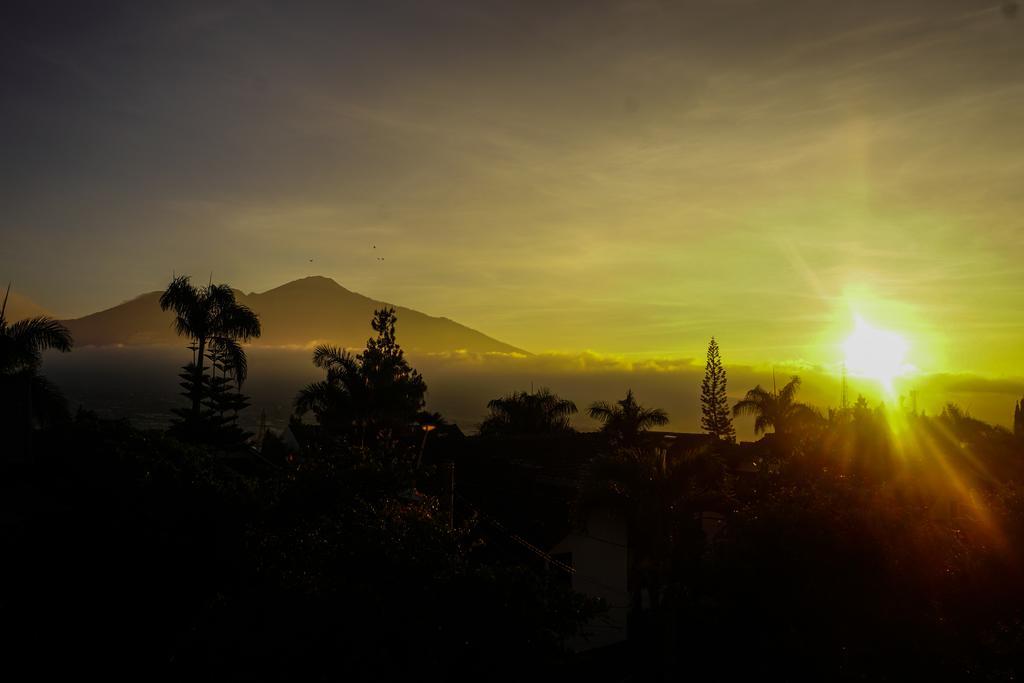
[
  {"x": 313, "y": 309},
  {"x": 20, "y": 307}
]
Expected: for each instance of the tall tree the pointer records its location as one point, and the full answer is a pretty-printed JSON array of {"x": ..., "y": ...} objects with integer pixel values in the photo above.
[
  {"x": 528, "y": 413},
  {"x": 777, "y": 409},
  {"x": 370, "y": 397},
  {"x": 396, "y": 389},
  {"x": 224, "y": 398},
  {"x": 625, "y": 421},
  {"x": 714, "y": 403},
  {"x": 214, "y": 322}
]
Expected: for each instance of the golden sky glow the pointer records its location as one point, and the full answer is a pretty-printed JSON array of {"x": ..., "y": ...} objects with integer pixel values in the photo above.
[
  {"x": 877, "y": 354},
  {"x": 622, "y": 177}
]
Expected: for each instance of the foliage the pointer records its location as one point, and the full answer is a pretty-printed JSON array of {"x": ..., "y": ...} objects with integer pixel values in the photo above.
[
  {"x": 625, "y": 421},
  {"x": 370, "y": 401},
  {"x": 528, "y": 413},
  {"x": 216, "y": 324},
  {"x": 877, "y": 544},
  {"x": 27, "y": 399},
  {"x": 778, "y": 410},
  {"x": 320, "y": 571},
  {"x": 715, "y": 419}
]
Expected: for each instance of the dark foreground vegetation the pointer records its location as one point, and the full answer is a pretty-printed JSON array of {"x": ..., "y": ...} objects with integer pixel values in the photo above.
[{"x": 375, "y": 542}]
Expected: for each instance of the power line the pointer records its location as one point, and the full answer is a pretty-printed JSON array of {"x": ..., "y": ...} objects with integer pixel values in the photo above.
[{"x": 518, "y": 539}]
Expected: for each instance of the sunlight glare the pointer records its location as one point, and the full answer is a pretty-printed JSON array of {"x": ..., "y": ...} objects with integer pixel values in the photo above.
[{"x": 875, "y": 354}]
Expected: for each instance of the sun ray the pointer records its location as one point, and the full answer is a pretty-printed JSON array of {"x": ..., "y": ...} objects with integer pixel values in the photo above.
[{"x": 876, "y": 354}]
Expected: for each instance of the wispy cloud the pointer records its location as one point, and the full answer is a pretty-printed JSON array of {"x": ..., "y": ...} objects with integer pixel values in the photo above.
[{"x": 604, "y": 175}]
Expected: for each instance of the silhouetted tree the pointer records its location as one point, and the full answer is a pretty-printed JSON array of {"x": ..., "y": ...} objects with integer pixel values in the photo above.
[
  {"x": 339, "y": 401},
  {"x": 27, "y": 396},
  {"x": 776, "y": 409},
  {"x": 208, "y": 315},
  {"x": 366, "y": 399},
  {"x": 528, "y": 413},
  {"x": 224, "y": 398},
  {"x": 714, "y": 403},
  {"x": 959, "y": 423},
  {"x": 625, "y": 421},
  {"x": 396, "y": 390}
]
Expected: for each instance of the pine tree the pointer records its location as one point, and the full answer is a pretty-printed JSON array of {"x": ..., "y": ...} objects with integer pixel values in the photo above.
[
  {"x": 716, "y": 418},
  {"x": 224, "y": 398},
  {"x": 217, "y": 326},
  {"x": 221, "y": 398},
  {"x": 371, "y": 399}
]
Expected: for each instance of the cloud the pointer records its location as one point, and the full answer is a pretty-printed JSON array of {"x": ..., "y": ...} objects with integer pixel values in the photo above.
[
  {"x": 125, "y": 381},
  {"x": 674, "y": 383},
  {"x": 973, "y": 384},
  {"x": 625, "y": 177},
  {"x": 581, "y": 362}
]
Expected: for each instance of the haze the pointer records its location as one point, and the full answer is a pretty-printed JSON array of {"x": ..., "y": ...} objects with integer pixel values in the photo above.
[{"x": 627, "y": 178}]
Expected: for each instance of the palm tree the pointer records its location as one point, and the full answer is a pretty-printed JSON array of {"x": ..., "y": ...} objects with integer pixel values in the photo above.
[
  {"x": 209, "y": 315},
  {"x": 625, "y": 421},
  {"x": 22, "y": 343},
  {"x": 775, "y": 409},
  {"x": 528, "y": 413},
  {"x": 339, "y": 401},
  {"x": 21, "y": 355},
  {"x": 375, "y": 395}
]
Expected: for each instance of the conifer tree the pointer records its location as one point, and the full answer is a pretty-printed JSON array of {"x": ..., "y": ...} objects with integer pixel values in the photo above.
[
  {"x": 217, "y": 325},
  {"x": 372, "y": 398},
  {"x": 715, "y": 415}
]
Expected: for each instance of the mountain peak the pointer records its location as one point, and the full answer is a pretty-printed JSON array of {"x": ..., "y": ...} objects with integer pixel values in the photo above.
[
  {"x": 300, "y": 312},
  {"x": 315, "y": 285},
  {"x": 317, "y": 281}
]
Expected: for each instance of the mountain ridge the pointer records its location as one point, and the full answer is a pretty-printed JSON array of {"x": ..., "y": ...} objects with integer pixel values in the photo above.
[
  {"x": 314, "y": 309},
  {"x": 20, "y": 306}
]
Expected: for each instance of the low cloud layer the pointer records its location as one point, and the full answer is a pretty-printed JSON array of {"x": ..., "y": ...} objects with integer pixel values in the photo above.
[{"x": 142, "y": 381}]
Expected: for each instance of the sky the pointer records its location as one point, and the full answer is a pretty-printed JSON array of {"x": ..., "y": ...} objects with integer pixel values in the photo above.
[{"x": 623, "y": 178}]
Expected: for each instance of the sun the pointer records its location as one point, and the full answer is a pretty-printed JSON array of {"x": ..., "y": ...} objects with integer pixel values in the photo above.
[{"x": 876, "y": 354}]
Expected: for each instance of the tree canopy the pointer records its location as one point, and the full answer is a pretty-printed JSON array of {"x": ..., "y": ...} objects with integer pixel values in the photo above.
[
  {"x": 525, "y": 413},
  {"x": 217, "y": 325},
  {"x": 777, "y": 410},
  {"x": 625, "y": 421},
  {"x": 27, "y": 398},
  {"x": 368, "y": 399}
]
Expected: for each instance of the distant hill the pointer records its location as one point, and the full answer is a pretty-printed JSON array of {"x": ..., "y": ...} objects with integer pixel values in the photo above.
[
  {"x": 20, "y": 307},
  {"x": 313, "y": 309}
]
